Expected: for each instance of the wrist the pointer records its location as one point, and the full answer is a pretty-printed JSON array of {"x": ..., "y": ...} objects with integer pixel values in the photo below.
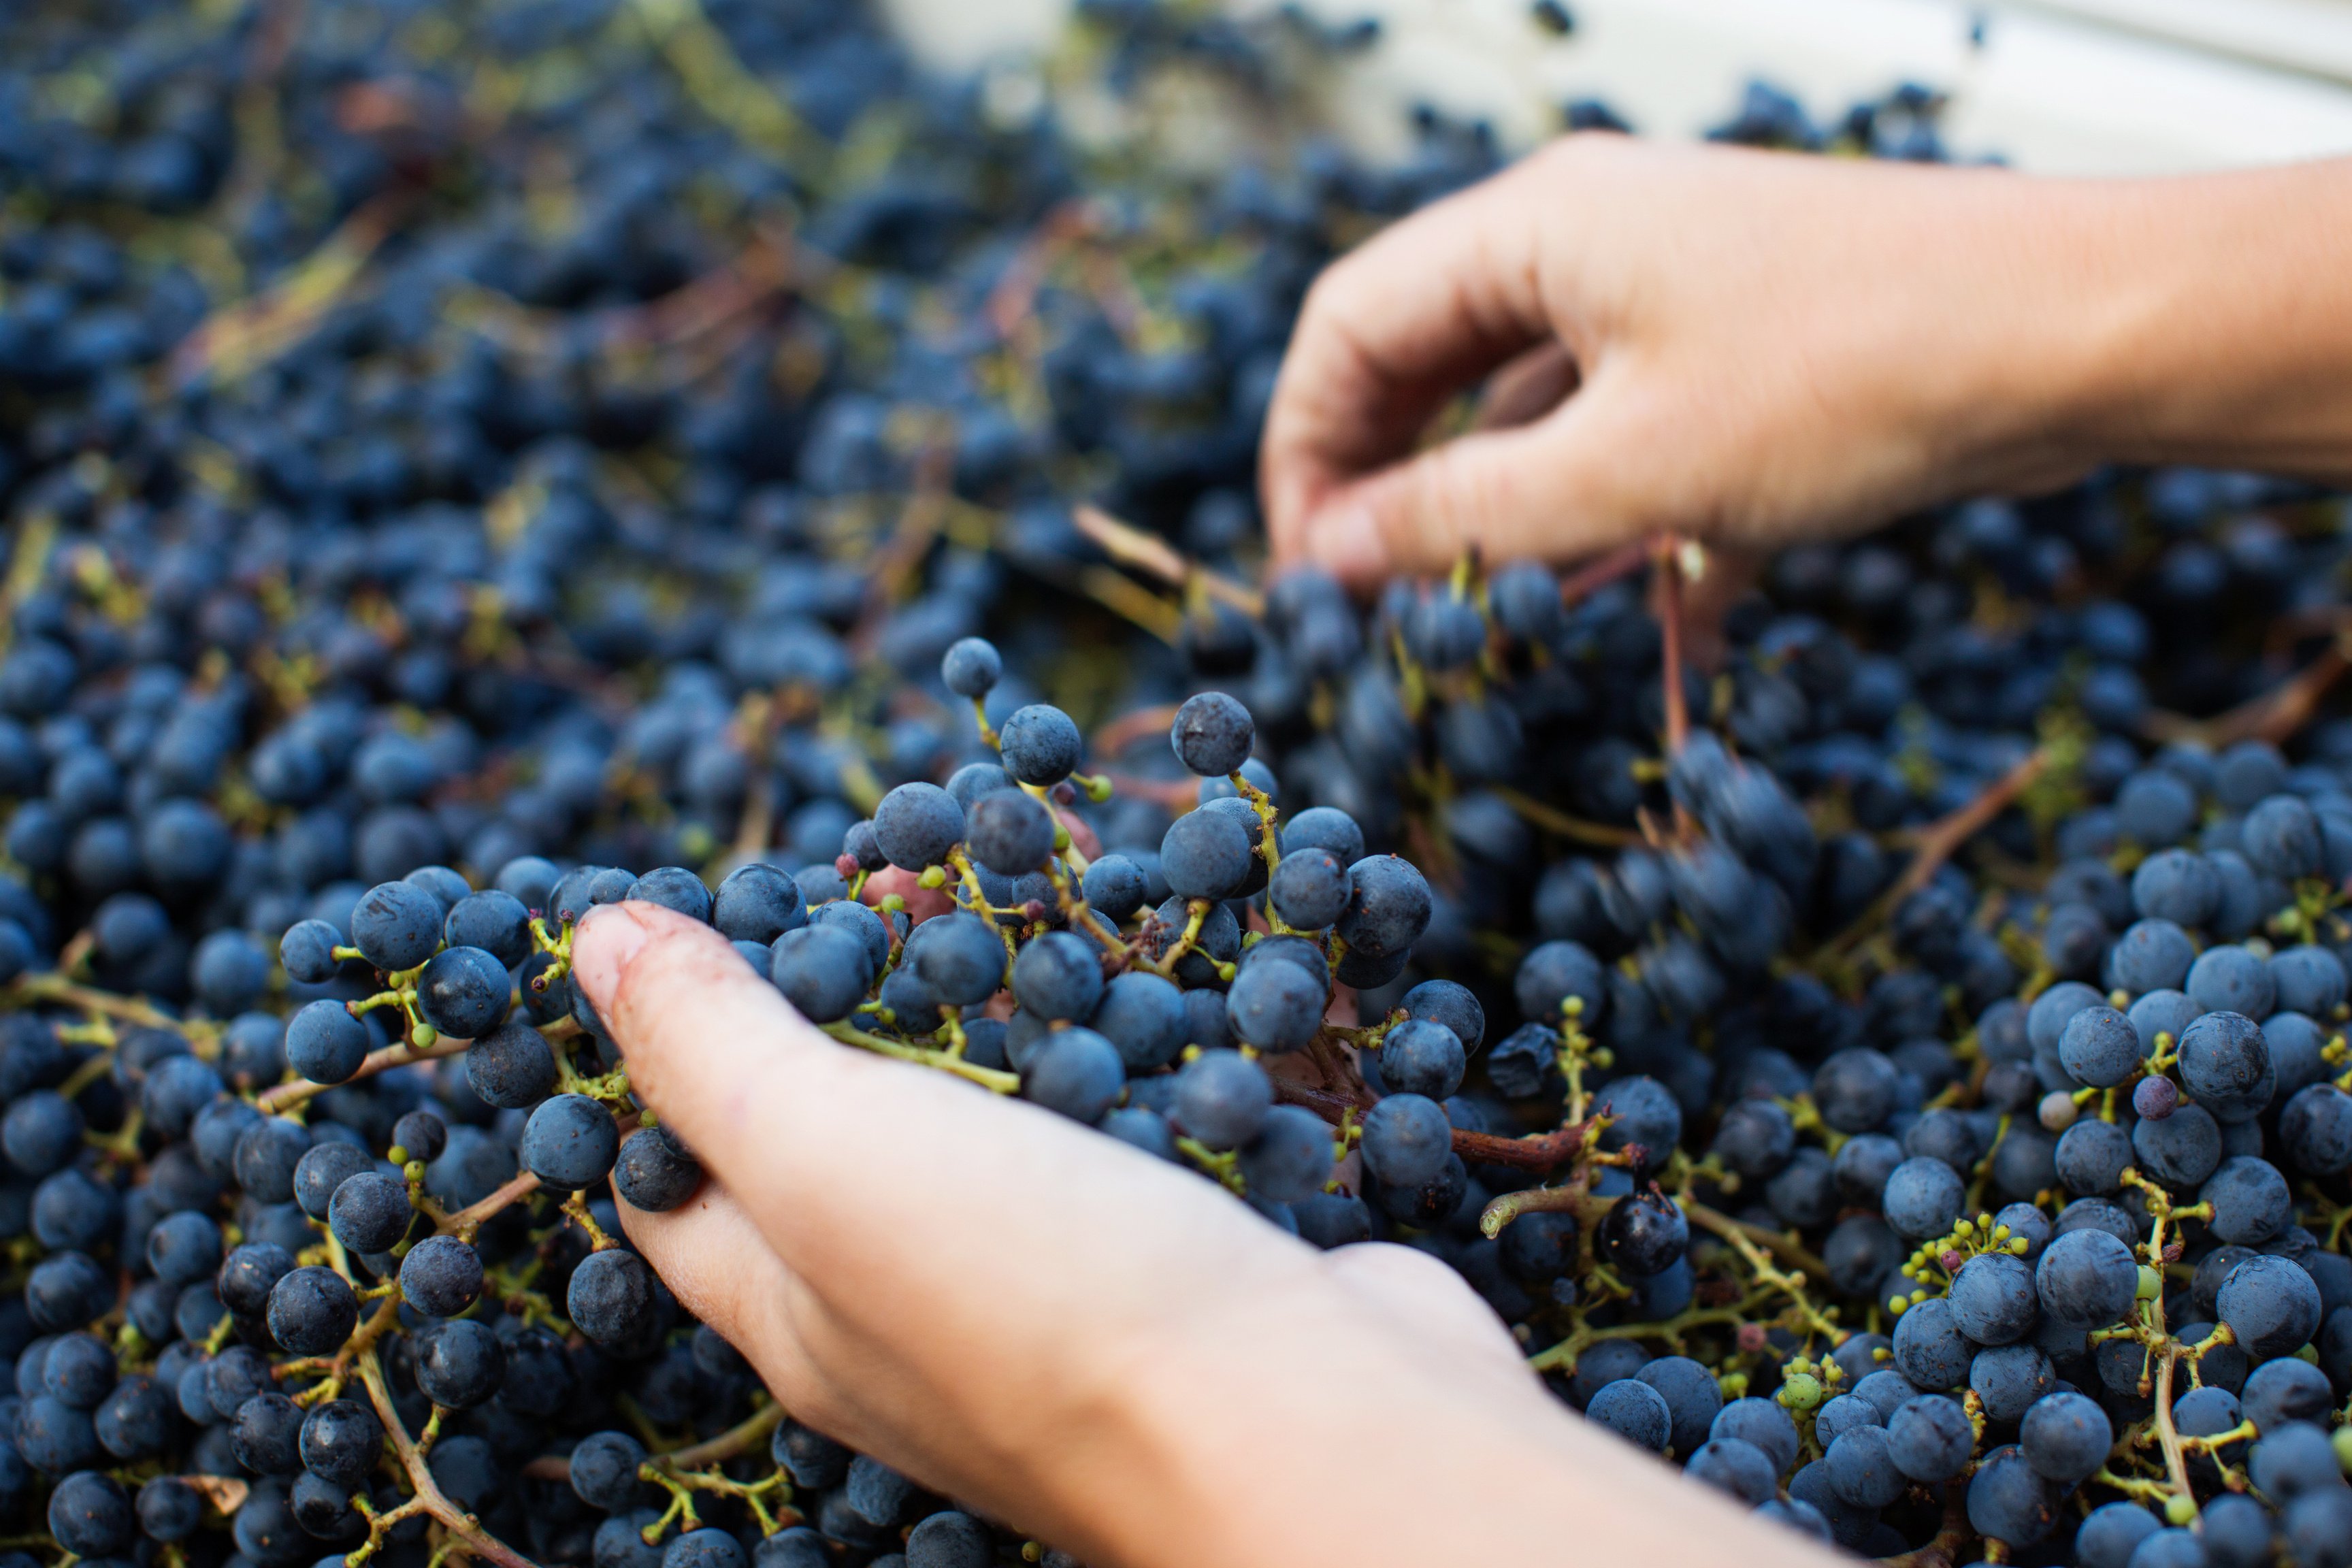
[{"x": 2200, "y": 319}]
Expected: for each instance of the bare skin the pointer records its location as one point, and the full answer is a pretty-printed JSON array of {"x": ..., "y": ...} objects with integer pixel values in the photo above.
[
  {"x": 1766, "y": 348},
  {"x": 1086, "y": 1342}
]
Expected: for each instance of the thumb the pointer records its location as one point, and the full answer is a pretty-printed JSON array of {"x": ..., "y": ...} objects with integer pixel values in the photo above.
[{"x": 1571, "y": 484}]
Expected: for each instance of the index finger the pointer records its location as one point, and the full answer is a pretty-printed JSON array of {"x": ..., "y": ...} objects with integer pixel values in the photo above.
[{"x": 1389, "y": 333}]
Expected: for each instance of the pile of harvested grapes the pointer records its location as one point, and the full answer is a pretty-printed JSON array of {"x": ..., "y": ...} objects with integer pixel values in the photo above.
[{"x": 1882, "y": 1050}]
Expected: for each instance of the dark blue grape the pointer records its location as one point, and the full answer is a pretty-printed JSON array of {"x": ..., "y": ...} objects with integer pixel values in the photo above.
[
  {"x": 2271, "y": 1305},
  {"x": 2065, "y": 1436},
  {"x": 370, "y": 1211},
  {"x": 972, "y": 667},
  {"x": 2251, "y": 1201},
  {"x": 1922, "y": 1198},
  {"x": 2176, "y": 884},
  {"x": 1076, "y": 1072},
  {"x": 1387, "y": 907},
  {"x": 1735, "y": 1466},
  {"x": 2008, "y": 1501},
  {"x": 570, "y": 1143},
  {"x": 2309, "y": 980},
  {"x": 1205, "y": 854},
  {"x": 2180, "y": 1150},
  {"x": 1278, "y": 1007},
  {"x": 313, "y": 1311},
  {"x": 1144, "y": 1017},
  {"x": 496, "y": 921},
  {"x": 228, "y": 973},
  {"x": 1929, "y": 1439},
  {"x": 396, "y": 925},
  {"x": 340, "y": 1442},
  {"x": 823, "y": 971},
  {"x": 1115, "y": 887},
  {"x": 2225, "y": 1064},
  {"x": 1930, "y": 1350},
  {"x": 2008, "y": 1379},
  {"x": 266, "y": 1431},
  {"x": 512, "y": 1067},
  {"x": 2316, "y": 1129},
  {"x": 1993, "y": 1301},
  {"x": 1692, "y": 1394},
  {"x": 1010, "y": 831},
  {"x": 90, "y": 1515},
  {"x": 1765, "y": 1425},
  {"x": 759, "y": 904},
  {"x": 916, "y": 825},
  {"x": 1309, "y": 889},
  {"x": 460, "y": 1362},
  {"x": 1057, "y": 977},
  {"x": 2232, "y": 980},
  {"x": 2086, "y": 1278},
  {"x": 2281, "y": 838},
  {"x": 1039, "y": 745},
  {"x": 2091, "y": 1155},
  {"x": 441, "y": 1276},
  {"x": 1644, "y": 1234},
  {"x": 2318, "y": 1528},
  {"x": 1212, "y": 734},
  {"x": 1223, "y": 1098},
  {"x": 169, "y": 1510},
  {"x": 267, "y": 1155}
]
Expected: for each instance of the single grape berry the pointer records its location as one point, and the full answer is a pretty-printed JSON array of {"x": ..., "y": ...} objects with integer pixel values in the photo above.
[
  {"x": 325, "y": 1044},
  {"x": 971, "y": 668},
  {"x": 1212, "y": 734},
  {"x": 570, "y": 1143},
  {"x": 611, "y": 1297},
  {"x": 654, "y": 1172},
  {"x": 441, "y": 1276},
  {"x": 307, "y": 949},
  {"x": 1039, "y": 745},
  {"x": 1010, "y": 831},
  {"x": 463, "y": 992},
  {"x": 916, "y": 825},
  {"x": 396, "y": 925}
]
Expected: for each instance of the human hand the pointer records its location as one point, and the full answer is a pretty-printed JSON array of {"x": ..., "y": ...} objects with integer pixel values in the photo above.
[
  {"x": 1752, "y": 348},
  {"x": 1099, "y": 1347}
]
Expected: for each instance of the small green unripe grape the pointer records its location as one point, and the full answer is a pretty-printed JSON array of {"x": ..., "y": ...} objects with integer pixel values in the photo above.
[
  {"x": 1896, "y": 1304},
  {"x": 2342, "y": 1440},
  {"x": 2151, "y": 1283},
  {"x": 1800, "y": 1390},
  {"x": 2019, "y": 1245},
  {"x": 2180, "y": 1509},
  {"x": 423, "y": 1035},
  {"x": 933, "y": 876}
]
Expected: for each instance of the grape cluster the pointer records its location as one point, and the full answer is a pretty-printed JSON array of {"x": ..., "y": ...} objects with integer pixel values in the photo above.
[{"x": 453, "y": 458}]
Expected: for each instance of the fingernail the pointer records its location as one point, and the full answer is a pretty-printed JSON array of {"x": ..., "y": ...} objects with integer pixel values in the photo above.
[
  {"x": 1347, "y": 540},
  {"x": 609, "y": 936}
]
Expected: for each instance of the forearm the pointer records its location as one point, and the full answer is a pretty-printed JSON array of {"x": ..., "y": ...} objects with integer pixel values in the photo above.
[
  {"x": 2209, "y": 320},
  {"x": 1278, "y": 1439}
]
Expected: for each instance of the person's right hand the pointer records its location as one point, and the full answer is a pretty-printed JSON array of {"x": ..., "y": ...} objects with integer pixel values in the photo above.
[
  {"x": 1097, "y": 1346},
  {"x": 1753, "y": 348}
]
